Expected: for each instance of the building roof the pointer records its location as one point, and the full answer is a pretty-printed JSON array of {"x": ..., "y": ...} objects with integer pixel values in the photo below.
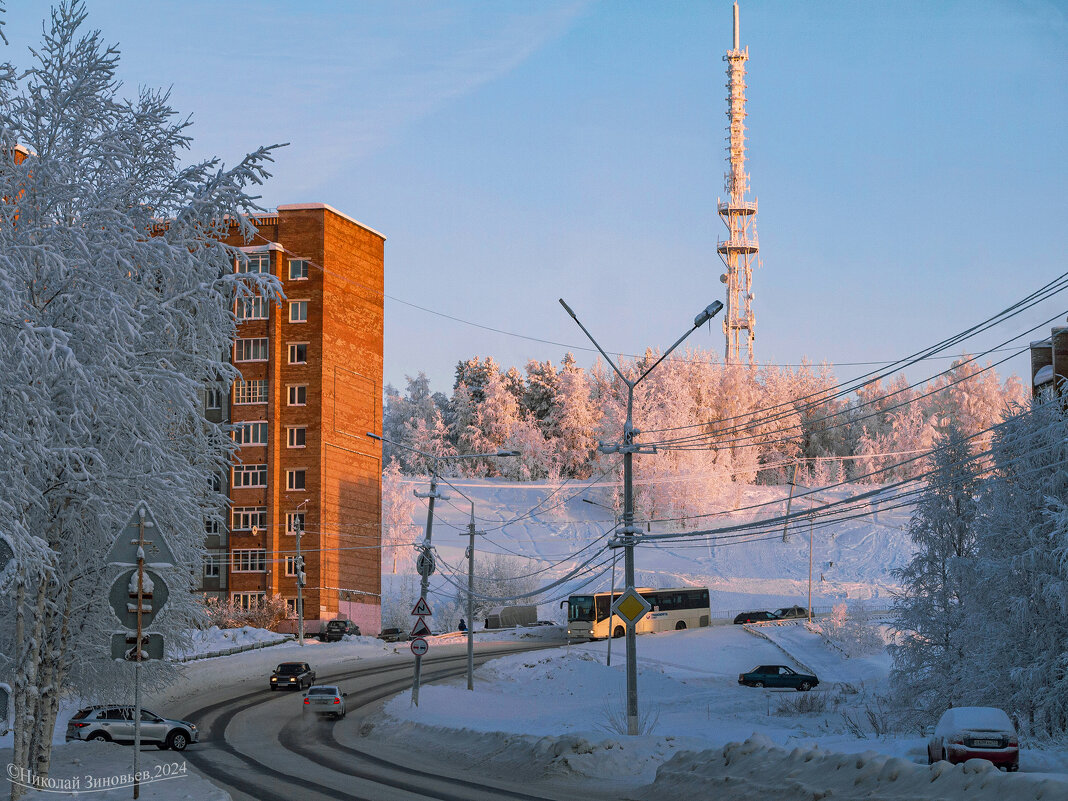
[
  {"x": 327, "y": 207},
  {"x": 1044, "y": 375}
]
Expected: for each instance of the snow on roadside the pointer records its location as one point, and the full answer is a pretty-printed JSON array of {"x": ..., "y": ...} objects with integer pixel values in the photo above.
[{"x": 207, "y": 641}]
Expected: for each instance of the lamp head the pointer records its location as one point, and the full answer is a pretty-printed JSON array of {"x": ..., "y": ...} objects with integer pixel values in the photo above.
[{"x": 711, "y": 310}]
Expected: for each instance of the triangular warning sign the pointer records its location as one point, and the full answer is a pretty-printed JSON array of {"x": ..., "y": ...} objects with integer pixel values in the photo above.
[
  {"x": 422, "y": 608},
  {"x": 421, "y": 629}
]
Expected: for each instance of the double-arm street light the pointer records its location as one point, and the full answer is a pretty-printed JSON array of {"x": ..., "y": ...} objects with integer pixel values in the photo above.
[
  {"x": 425, "y": 564},
  {"x": 628, "y": 534}
]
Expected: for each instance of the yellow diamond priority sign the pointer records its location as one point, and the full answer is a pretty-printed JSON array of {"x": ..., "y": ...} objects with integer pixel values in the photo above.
[{"x": 631, "y": 607}]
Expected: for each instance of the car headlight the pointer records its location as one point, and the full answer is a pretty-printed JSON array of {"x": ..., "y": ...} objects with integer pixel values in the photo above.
[{"x": 292, "y": 678}]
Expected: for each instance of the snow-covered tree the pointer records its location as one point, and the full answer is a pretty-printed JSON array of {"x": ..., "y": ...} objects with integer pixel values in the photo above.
[
  {"x": 398, "y": 504},
  {"x": 116, "y": 312},
  {"x": 935, "y": 583},
  {"x": 572, "y": 420}
]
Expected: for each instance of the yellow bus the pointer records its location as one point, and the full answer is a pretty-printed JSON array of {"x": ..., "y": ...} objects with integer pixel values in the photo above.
[{"x": 589, "y": 618}]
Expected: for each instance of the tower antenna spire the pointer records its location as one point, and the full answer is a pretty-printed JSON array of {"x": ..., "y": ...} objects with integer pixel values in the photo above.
[{"x": 739, "y": 250}]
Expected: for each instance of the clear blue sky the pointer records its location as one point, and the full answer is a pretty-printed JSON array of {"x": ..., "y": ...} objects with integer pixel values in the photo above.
[{"x": 909, "y": 158}]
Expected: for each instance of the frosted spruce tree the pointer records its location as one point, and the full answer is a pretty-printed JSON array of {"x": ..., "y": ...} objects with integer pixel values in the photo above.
[
  {"x": 935, "y": 583},
  {"x": 116, "y": 312}
]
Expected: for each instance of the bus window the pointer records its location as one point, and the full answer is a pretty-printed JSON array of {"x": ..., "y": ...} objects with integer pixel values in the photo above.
[{"x": 580, "y": 607}]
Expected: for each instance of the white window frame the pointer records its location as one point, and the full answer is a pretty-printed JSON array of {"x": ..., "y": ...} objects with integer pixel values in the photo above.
[
  {"x": 293, "y": 352},
  {"x": 250, "y": 393},
  {"x": 256, "y": 262},
  {"x": 291, "y": 607},
  {"x": 290, "y": 518},
  {"x": 293, "y": 393},
  {"x": 245, "y": 599},
  {"x": 247, "y": 518},
  {"x": 251, "y": 432},
  {"x": 212, "y": 566},
  {"x": 257, "y": 347},
  {"x": 302, "y": 275},
  {"x": 213, "y": 400},
  {"x": 253, "y": 308},
  {"x": 295, "y": 308},
  {"x": 291, "y": 477},
  {"x": 291, "y": 566},
  {"x": 248, "y": 560},
  {"x": 291, "y": 436},
  {"x": 257, "y": 471},
  {"x": 211, "y": 525}
]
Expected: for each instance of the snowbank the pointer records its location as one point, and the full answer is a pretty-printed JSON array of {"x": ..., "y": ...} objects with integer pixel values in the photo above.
[{"x": 216, "y": 641}]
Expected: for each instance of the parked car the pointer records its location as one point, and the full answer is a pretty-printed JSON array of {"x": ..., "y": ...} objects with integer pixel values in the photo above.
[
  {"x": 754, "y": 617},
  {"x": 778, "y": 676},
  {"x": 392, "y": 635},
  {"x": 325, "y": 700},
  {"x": 334, "y": 630},
  {"x": 790, "y": 612},
  {"x": 292, "y": 675},
  {"x": 116, "y": 724},
  {"x": 974, "y": 732}
]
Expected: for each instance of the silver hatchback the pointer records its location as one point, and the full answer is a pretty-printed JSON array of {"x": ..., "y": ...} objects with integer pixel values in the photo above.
[
  {"x": 116, "y": 724},
  {"x": 324, "y": 699}
]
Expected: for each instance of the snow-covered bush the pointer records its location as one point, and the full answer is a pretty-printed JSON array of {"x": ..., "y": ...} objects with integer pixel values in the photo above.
[{"x": 230, "y": 615}]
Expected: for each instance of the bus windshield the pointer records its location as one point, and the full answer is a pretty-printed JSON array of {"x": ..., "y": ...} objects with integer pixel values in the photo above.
[{"x": 580, "y": 607}]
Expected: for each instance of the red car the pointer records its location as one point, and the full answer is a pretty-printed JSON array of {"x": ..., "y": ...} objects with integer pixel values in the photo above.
[{"x": 974, "y": 732}]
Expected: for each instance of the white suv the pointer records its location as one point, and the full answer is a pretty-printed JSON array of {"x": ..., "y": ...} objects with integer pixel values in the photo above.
[{"x": 116, "y": 724}]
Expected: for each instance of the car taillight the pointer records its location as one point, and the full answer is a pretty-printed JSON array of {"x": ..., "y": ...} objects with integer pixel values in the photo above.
[
  {"x": 307, "y": 701},
  {"x": 1014, "y": 742},
  {"x": 337, "y": 700},
  {"x": 957, "y": 740},
  {"x": 79, "y": 725}
]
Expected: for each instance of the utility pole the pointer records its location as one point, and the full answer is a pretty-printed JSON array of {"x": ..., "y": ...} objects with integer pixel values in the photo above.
[
  {"x": 298, "y": 529},
  {"x": 789, "y": 500},
  {"x": 471, "y": 599},
  {"x": 810, "y": 525},
  {"x": 611, "y": 614},
  {"x": 425, "y": 566},
  {"x": 629, "y": 535}
]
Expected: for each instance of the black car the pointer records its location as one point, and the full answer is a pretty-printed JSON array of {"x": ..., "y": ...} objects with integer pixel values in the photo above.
[
  {"x": 292, "y": 675},
  {"x": 778, "y": 676},
  {"x": 392, "y": 635},
  {"x": 791, "y": 613},
  {"x": 334, "y": 630},
  {"x": 754, "y": 617}
]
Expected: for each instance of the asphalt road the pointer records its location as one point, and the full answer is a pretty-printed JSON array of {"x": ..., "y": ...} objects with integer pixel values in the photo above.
[{"x": 260, "y": 746}]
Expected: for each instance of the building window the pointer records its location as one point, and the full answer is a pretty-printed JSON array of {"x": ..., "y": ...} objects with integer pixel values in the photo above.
[
  {"x": 296, "y": 479},
  {"x": 213, "y": 400},
  {"x": 216, "y": 482},
  {"x": 298, "y": 352},
  {"x": 251, "y": 433},
  {"x": 249, "y": 475},
  {"x": 298, "y": 395},
  {"x": 291, "y": 607},
  {"x": 248, "y": 600},
  {"x": 298, "y": 269},
  {"x": 255, "y": 263},
  {"x": 296, "y": 437},
  {"x": 246, "y": 392},
  {"x": 291, "y": 565},
  {"x": 294, "y": 520},
  {"x": 211, "y": 526},
  {"x": 252, "y": 308},
  {"x": 250, "y": 561},
  {"x": 251, "y": 350},
  {"x": 212, "y": 566},
  {"x": 247, "y": 518},
  {"x": 298, "y": 311}
]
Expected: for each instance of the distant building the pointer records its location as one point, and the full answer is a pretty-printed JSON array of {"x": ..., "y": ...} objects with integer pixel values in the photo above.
[
  {"x": 1049, "y": 363},
  {"x": 310, "y": 390}
]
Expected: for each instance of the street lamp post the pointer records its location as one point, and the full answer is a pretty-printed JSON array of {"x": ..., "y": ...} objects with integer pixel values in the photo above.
[
  {"x": 631, "y": 534},
  {"x": 426, "y": 558}
]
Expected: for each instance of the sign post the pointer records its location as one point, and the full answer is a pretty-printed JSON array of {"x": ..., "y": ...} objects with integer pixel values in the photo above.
[{"x": 137, "y": 596}]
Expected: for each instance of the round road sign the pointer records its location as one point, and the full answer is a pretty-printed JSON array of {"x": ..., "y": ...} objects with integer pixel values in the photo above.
[{"x": 419, "y": 646}]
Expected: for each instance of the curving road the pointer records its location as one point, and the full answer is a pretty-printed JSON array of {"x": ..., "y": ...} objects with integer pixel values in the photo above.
[{"x": 260, "y": 747}]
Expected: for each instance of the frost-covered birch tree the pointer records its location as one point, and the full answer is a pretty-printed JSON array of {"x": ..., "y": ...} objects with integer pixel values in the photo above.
[{"x": 116, "y": 312}]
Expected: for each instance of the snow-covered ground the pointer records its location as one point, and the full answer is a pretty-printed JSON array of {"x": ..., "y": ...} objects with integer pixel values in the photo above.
[{"x": 213, "y": 640}]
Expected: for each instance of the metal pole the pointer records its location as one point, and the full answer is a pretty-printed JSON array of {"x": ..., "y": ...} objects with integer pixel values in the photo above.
[
  {"x": 628, "y": 563},
  {"x": 810, "y": 567},
  {"x": 425, "y": 582},
  {"x": 789, "y": 500},
  {"x": 611, "y": 614},
  {"x": 298, "y": 529},
  {"x": 471, "y": 602},
  {"x": 137, "y": 646}
]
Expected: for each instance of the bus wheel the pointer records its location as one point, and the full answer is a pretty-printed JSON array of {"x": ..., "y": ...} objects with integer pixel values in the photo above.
[
  {"x": 680, "y": 625},
  {"x": 619, "y": 632}
]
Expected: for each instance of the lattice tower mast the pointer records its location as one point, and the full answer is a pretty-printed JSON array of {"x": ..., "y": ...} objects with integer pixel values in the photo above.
[{"x": 739, "y": 250}]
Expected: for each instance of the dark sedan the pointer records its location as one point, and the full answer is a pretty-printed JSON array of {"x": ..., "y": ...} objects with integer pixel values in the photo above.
[
  {"x": 292, "y": 675},
  {"x": 754, "y": 617},
  {"x": 778, "y": 676}
]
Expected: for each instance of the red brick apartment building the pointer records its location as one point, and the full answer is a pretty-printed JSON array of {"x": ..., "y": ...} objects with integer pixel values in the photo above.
[{"x": 310, "y": 389}]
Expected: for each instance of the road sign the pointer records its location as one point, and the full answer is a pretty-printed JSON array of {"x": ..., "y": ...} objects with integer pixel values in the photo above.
[
  {"x": 419, "y": 647},
  {"x": 421, "y": 629},
  {"x": 631, "y": 607},
  {"x": 422, "y": 609},
  {"x": 424, "y": 565},
  {"x": 123, "y": 646},
  {"x": 123, "y": 598},
  {"x": 124, "y": 550}
]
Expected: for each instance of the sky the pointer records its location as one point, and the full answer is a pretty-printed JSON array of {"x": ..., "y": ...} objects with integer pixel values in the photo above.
[{"x": 909, "y": 159}]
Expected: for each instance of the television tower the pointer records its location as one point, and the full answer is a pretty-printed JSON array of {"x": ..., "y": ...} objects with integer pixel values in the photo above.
[{"x": 739, "y": 250}]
